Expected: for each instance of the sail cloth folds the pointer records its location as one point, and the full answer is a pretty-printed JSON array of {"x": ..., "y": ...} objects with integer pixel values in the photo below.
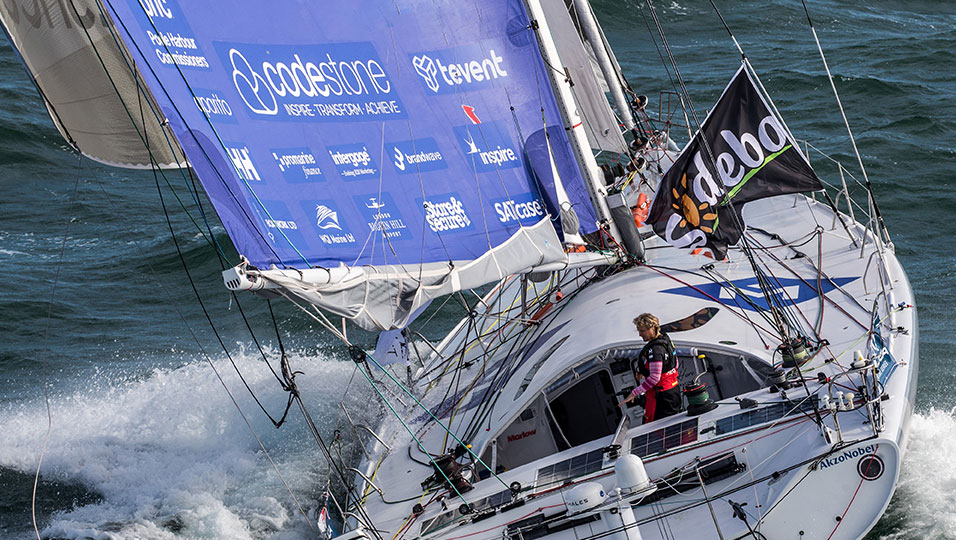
[
  {"x": 363, "y": 133},
  {"x": 741, "y": 153},
  {"x": 602, "y": 127},
  {"x": 387, "y": 297},
  {"x": 389, "y": 137},
  {"x": 92, "y": 96}
]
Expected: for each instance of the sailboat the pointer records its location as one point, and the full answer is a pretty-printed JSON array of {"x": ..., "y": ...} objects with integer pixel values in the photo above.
[{"x": 369, "y": 158}]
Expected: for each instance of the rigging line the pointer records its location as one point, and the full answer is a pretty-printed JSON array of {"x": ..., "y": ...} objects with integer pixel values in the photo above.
[
  {"x": 420, "y": 445},
  {"x": 793, "y": 304},
  {"x": 523, "y": 337},
  {"x": 202, "y": 351},
  {"x": 711, "y": 156},
  {"x": 213, "y": 129},
  {"x": 829, "y": 280},
  {"x": 209, "y": 159},
  {"x": 459, "y": 371},
  {"x": 192, "y": 284},
  {"x": 328, "y": 455},
  {"x": 778, "y": 296},
  {"x": 183, "y": 261},
  {"x": 736, "y": 297},
  {"x": 737, "y": 294},
  {"x": 753, "y": 71},
  {"x": 129, "y": 114},
  {"x": 846, "y": 122},
  {"x": 161, "y": 122},
  {"x": 680, "y": 97},
  {"x": 435, "y": 418},
  {"x": 755, "y": 325},
  {"x": 46, "y": 334},
  {"x": 139, "y": 95}
]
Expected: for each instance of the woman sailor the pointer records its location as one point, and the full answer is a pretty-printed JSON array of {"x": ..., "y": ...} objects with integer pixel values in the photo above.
[{"x": 657, "y": 366}]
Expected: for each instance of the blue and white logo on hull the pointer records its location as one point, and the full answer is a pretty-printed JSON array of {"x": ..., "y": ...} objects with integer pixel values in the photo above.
[{"x": 746, "y": 292}]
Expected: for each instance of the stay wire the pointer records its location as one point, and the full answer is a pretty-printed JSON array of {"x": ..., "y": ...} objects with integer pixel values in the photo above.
[
  {"x": 764, "y": 286},
  {"x": 144, "y": 136},
  {"x": 205, "y": 355},
  {"x": 402, "y": 387},
  {"x": 202, "y": 304},
  {"x": 866, "y": 179},
  {"x": 46, "y": 335}
]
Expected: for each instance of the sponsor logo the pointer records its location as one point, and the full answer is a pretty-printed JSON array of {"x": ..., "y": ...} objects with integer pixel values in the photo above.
[
  {"x": 297, "y": 165},
  {"x": 525, "y": 209},
  {"x": 747, "y": 294},
  {"x": 171, "y": 37},
  {"x": 417, "y": 155},
  {"x": 382, "y": 215},
  {"x": 487, "y": 147},
  {"x": 312, "y": 83},
  {"x": 326, "y": 218},
  {"x": 281, "y": 229},
  {"x": 353, "y": 161},
  {"x": 281, "y": 224},
  {"x": 330, "y": 229},
  {"x": 213, "y": 106},
  {"x": 243, "y": 163},
  {"x": 696, "y": 205},
  {"x": 156, "y": 8},
  {"x": 451, "y": 70},
  {"x": 470, "y": 113},
  {"x": 847, "y": 455},
  {"x": 522, "y": 435},
  {"x": 446, "y": 213}
]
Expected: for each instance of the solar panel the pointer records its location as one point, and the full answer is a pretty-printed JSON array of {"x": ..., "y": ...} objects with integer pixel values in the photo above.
[
  {"x": 491, "y": 501},
  {"x": 662, "y": 440},
  {"x": 762, "y": 415},
  {"x": 571, "y": 468}
]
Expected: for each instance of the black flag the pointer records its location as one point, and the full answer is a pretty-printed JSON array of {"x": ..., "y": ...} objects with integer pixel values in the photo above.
[{"x": 748, "y": 156}]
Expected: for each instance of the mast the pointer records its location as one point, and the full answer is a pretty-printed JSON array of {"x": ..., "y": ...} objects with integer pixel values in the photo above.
[
  {"x": 593, "y": 34},
  {"x": 593, "y": 177}
]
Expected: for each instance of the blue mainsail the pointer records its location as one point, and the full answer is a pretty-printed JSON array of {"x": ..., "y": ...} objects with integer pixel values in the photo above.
[{"x": 361, "y": 132}]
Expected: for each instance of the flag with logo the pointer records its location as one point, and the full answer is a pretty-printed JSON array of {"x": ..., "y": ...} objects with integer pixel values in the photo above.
[{"x": 741, "y": 153}]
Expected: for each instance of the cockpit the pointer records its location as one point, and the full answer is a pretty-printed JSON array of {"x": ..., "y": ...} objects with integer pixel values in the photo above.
[{"x": 581, "y": 404}]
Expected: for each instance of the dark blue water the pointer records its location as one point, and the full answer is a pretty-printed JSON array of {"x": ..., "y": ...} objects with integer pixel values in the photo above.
[{"x": 146, "y": 443}]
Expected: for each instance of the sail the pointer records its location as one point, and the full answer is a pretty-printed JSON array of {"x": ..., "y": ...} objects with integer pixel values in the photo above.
[
  {"x": 741, "y": 153},
  {"x": 603, "y": 129},
  {"x": 390, "y": 135},
  {"x": 82, "y": 72}
]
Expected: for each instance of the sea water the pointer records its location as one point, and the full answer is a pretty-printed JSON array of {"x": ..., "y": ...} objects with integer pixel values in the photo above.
[{"x": 98, "y": 320}]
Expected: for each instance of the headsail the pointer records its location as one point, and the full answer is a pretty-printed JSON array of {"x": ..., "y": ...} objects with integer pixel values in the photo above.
[
  {"x": 83, "y": 74},
  {"x": 392, "y": 137},
  {"x": 741, "y": 153}
]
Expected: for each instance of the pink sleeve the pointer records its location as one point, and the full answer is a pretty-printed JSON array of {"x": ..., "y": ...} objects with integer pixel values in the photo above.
[{"x": 651, "y": 380}]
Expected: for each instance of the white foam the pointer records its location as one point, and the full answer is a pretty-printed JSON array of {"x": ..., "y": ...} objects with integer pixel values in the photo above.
[
  {"x": 924, "y": 504},
  {"x": 168, "y": 450}
]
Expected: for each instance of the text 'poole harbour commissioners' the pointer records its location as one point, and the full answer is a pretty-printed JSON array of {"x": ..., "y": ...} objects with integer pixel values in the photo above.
[{"x": 311, "y": 83}]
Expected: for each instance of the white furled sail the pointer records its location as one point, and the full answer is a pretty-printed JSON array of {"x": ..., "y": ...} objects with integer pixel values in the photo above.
[
  {"x": 603, "y": 129},
  {"x": 83, "y": 74}
]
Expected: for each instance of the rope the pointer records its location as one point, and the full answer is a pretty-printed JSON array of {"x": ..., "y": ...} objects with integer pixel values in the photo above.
[
  {"x": 46, "y": 334},
  {"x": 846, "y": 122},
  {"x": 203, "y": 352}
]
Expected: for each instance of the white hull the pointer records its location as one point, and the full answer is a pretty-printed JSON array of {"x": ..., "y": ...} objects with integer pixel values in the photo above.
[{"x": 794, "y": 479}]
